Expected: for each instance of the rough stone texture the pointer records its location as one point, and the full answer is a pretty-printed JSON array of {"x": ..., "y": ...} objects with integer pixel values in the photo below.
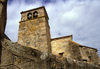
[
  {"x": 3, "y": 16},
  {"x": 73, "y": 50},
  {"x": 41, "y": 13},
  {"x": 20, "y": 57},
  {"x": 75, "y": 53},
  {"x": 35, "y": 32},
  {"x": 63, "y": 63},
  {"x": 62, "y": 45},
  {"x": 33, "y": 48},
  {"x": 88, "y": 54}
]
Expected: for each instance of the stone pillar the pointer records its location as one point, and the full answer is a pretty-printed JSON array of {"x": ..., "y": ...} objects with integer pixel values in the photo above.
[{"x": 3, "y": 15}]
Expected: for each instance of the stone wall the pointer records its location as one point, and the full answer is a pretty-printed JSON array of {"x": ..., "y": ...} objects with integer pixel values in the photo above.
[
  {"x": 75, "y": 51},
  {"x": 15, "y": 56},
  {"x": 61, "y": 45},
  {"x": 35, "y": 32},
  {"x": 3, "y": 15},
  {"x": 63, "y": 63},
  {"x": 88, "y": 54},
  {"x": 67, "y": 48},
  {"x": 64, "y": 46}
]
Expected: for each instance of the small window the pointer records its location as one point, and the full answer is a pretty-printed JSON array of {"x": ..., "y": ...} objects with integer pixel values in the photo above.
[
  {"x": 61, "y": 54},
  {"x": 29, "y": 16},
  {"x": 35, "y": 14},
  {"x": 89, "y": 57},
  {"x": 33, "y": 53},
  {"x": 85, "y": 60}
]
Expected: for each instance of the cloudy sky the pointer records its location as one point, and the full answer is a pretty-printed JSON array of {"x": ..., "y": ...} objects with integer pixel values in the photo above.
[{"x": 79, "y": 18}]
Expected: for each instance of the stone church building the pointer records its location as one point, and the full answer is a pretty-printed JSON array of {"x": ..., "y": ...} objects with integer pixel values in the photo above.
[{"x": 36, "y": 50}]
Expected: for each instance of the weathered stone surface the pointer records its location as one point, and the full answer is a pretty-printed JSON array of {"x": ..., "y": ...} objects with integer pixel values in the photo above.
[
  {"x": 75, "y": 53},
  {"x": 88, "y": 54},
  {"x": 63, "y": 63},
  {"x": 34, "y": 46},
  {"x": 62, "y": 45},
  {"x": 71, "y": 49},
  {"x": 3, "y": 15},
  {"x": 7, "y": 57},
  {"x": 35, "y": 32},
  {"x": 24, "y": 63},
  {"x": 21, "y": 57},
  {"x": 22, "y": 51}
]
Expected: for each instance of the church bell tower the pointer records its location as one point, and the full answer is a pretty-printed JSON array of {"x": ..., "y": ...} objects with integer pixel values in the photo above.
[{"x": 34, "y": 30}]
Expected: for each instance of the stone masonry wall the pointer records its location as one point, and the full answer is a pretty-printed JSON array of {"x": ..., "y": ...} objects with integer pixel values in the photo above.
[
  {"x": 3, "y": 15},
  {"x": 48, "y": 36},
  {"x": 63, "y": 63},
  {"x": 35, "y": 32},
  {"x": 88, "y": 54},
  {"x": 63, "y": 45},
  {"x": 15, "y": 56},
  {"x": 75, "y": 54}
]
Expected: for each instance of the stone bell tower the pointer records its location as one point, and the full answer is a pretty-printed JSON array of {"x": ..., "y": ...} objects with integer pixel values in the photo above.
[{"x": 34, "y": 30}]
